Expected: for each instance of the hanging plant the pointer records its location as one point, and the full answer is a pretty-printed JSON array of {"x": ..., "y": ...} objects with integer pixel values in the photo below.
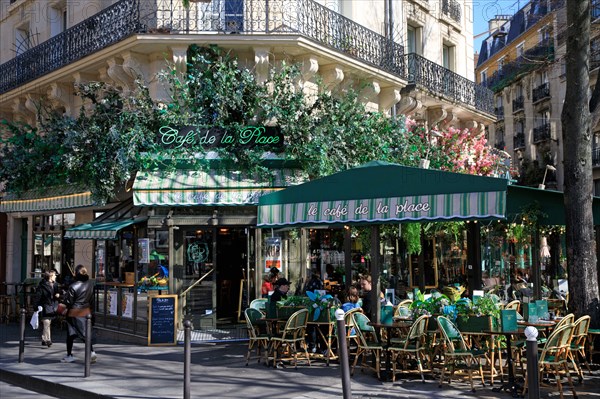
[{"x": 411, "y": 234}]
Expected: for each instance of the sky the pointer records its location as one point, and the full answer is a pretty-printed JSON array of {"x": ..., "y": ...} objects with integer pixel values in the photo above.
[{"x": 484, "y": 10}]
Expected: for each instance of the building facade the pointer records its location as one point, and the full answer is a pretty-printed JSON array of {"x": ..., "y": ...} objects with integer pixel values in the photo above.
[{"x": 413, "y": 58}]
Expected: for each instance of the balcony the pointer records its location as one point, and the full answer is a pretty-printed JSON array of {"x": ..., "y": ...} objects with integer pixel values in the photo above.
[
  {"x": 257, "y": 17},
  {"x": 442, "y": 81},
  {"x": 452, "y": 9},
  {"x": 518, "y": 104},
  {"x": 499, "y": 112},
  {"x": 541, "y": 133},
  {"x": 519, "y": 141},
  {"x": 500, "y": 144},
  {"x": 531, "y": 59},
  {"x": 596, "y": 156},
  {"x": 542, "y": 92}
]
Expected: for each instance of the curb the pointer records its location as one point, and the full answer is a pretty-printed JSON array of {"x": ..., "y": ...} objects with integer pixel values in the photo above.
[{"x": 47, "y": 387}]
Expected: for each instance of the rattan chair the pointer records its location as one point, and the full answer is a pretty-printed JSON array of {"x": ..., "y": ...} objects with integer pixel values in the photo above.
[
  {"x": 578, "y": 345},
  {"x": 516, "y": 305},
  {"x": 292, "y": 338},
  {"x": 403, "y": 304},
  {"x": 368, "y": 343},
  {"x": 255, "y": 336},
  {"x": 457, "y": 350},
  {"x": 412, "y": 346},
  {"x": 259, "y": 304}
]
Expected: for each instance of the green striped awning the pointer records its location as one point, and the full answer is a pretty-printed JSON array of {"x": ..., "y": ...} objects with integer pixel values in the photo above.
[
  {"x": 55, "y": 198},
  {"x": 382, "y": 192},
  {"x": 192, "y": 188},
  {"x": 107, "y": 230}
]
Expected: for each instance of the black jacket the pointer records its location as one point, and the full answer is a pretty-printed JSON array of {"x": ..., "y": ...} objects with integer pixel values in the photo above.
[
  {"x": 80, "y": 295},
  {"x": 46, "y": 298}
]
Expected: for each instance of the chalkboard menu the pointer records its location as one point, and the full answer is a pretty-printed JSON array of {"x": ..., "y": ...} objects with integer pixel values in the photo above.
[{"x": 162, "y": 320}]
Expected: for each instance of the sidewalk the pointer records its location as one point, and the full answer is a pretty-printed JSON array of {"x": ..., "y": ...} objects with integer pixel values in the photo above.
[{"x": 218, "y": 371}]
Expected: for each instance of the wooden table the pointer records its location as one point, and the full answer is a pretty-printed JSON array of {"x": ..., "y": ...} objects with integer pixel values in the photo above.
[
  {"x": 325, "y": 331},
  {"x": 547, "y": 325}
]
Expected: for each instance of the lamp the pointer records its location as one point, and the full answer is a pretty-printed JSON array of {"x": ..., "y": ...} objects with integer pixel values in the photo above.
[{"x": 543, "y": 185}]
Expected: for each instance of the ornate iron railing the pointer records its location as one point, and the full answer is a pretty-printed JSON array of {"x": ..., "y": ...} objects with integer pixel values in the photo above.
[
  {"x": 541, "y": 92},
  {"x": 518, "y": 104},
  {"x": 452, "y": 9},
  {"x": 596, "y": 156},
  {"x": 541, "y": 133},
  {"x": 519, "y": 141},
  {"x": 110, "y": 26},
  {"x": 440, "y": 80},
  {"x": 305, "y": 17}
]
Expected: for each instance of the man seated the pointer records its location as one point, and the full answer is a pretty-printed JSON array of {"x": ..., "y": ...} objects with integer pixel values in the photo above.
[{"x": 282, "y": 286}]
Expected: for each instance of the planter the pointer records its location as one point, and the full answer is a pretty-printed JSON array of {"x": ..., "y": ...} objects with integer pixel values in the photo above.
[
  {"x": 284, "y": 312},
  {"x": 476, "y": 323}
]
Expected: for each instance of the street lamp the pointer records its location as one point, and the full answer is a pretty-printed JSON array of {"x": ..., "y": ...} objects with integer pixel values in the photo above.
[{"x": 543, "y": 185}]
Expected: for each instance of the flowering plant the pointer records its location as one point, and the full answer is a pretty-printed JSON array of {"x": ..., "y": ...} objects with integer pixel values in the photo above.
[{"x": 319, "y": 303}]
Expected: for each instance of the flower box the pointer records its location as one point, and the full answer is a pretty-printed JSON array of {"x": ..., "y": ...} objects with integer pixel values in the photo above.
[
  {"x": 476, "y": 323},
  {"x": 284, "y": 312}
]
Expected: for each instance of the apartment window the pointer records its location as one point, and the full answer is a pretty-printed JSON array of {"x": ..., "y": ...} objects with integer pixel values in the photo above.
[
  {"x": 483, "y": 77},
  {"x": 413, "y": 39},
  {"x": 520, "y": 49},
  {"x": 448, "y": 54},
  {"x": 23, "y": 40},
  {"x": 545, "y": 34},
  {"x": 57, "y": 16},
  {"x": 542, "y": 77},
  {"x": 518, "y": 92},
  {"x": 501, "y": 63},
  {"x": 597, "y": 187}
]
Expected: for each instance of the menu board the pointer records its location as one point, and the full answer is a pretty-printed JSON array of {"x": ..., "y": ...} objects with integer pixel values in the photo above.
[{"x": 162, "y": 320}]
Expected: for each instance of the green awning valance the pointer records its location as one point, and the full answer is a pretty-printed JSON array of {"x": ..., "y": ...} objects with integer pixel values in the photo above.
[
  {"x": 48, "y": 199},
  {"x": 385, "y": 192},
  {"x": 107, "y": 230},
  {"x": 192, "y": 188}
]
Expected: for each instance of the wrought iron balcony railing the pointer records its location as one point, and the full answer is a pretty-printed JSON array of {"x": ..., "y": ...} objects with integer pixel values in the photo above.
[
  {"x": 541, "y": 92},
  {"x": 518, "y": 104},
  {"x": 596, "y": 156},
  {"x": 440, "y": 80},
  {"x": 500, "y": 144},
  {"x": 452, "y": 9},
  {"x": 541, "y": 133},
  {"x": 519, "y": 141},
  {"x": 274, "y": 17}
]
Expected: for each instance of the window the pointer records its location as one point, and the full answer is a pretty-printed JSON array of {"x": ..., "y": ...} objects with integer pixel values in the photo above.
[
  {"x": 501, "y": 63},
  {"x": 597, "y": 187},
  {"x": 413, "y": 39},
  {"x": 542, "y": 77},
  {"x": 448, "y": 54},
  {"x": 520, "y": 49},
  {"x": 544, "y": 34},
  {"x": 23, "y": 40},
  {"x": 518, "y": 92},
  {"x": 483, "y": 77},
  {"x": 57, "y": 16}
]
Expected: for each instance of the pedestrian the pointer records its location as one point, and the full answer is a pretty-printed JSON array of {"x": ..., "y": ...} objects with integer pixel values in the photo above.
[
  {"x": 79, "y": 300},
  {"x": 48, "y": 293}
]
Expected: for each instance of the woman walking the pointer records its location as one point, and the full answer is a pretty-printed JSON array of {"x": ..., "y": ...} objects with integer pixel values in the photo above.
[
  {"x": 48, "y": 301},
  {"x": 79, "y": 300}
]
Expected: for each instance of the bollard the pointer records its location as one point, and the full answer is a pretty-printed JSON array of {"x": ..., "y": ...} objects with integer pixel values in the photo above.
[
  {"x": 22, "y": 340},
  {"x": 187, "y": 358},
  {"x": 88, "y": 345},
  {"x": 343, "y": 348},
  {"x": 532, "y": 363}
]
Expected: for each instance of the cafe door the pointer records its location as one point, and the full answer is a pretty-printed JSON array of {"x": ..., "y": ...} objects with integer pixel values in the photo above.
[{"x": 232, "y": 264}]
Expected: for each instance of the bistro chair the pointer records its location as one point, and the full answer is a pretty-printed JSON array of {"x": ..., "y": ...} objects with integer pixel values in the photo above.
[
  {"x": 351, "y": 334},
  {"x": 292, "y": 337},
  {"x": 255, "y": 336},
  {"x": 516, "y": 305},
  {"x": 405, "y": 304},
  {"x": 578, "y": 344},
  {"x": 260, "y": 304},
  {"x": 368, "y": 343},
  {"x": 554, "y": 358},
  {"x": 413, "y": 345},
  {"x": 457, "y": 350}
]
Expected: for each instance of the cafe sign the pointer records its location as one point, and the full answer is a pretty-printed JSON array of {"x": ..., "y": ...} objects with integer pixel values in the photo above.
[{"x": 182, "y": 137}]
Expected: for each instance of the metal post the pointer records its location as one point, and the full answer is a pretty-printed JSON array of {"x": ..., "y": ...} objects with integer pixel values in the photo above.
[
  {"x": 343, "y": 355},
  {"x": 22, "y": 340},
  {"x": 532, "y": 363},
  {"x": 88, "y": 345},
  {"x": 187, "y": 358}
]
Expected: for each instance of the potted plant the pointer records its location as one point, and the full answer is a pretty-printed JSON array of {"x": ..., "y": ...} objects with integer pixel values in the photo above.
[
  {"x": 479, "y": 315},
  {"x": 321, "y": 307},
  {"x": 290, "y": 306}
]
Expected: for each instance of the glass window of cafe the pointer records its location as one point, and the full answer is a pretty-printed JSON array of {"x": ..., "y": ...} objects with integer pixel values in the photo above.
[
  {"x": 50, "y": 250},
  {"x": 114, "y": 259}
]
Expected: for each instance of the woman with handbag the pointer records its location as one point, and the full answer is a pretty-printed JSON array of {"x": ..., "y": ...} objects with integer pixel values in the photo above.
[
  {"x": 79, "y": 301},
  {"x": 48, "y": 294}
]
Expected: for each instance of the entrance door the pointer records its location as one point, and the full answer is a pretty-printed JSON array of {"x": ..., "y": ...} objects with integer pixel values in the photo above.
[{"x": 232, "y": 258}]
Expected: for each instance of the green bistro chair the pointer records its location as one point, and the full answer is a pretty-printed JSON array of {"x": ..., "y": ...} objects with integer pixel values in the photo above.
[
  {"x": 292, "y": 338},
  {"x": 578, "y": 345},
  {"x": 259, "y": 304},
  {"x": 255, "y": 336},
  {"x": 554, "y": 358},
  {"x": 368, "y": 343},
  {"x": 457, "y": 351},
  {"x": 411, "y": 346}
]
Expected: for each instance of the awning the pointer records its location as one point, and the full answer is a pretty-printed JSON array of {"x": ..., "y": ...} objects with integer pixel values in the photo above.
[
  {"x": 192, "y": 188},
  {"x": 384, "y": 192},
  {"x": 55, "y": 198},
  {"x": 107, "y": 230}
]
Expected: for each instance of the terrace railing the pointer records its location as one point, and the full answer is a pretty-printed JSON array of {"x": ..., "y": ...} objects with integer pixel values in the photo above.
[
  {"x": 519, "y": 141},
  {"x": 541, "y": 92},
  {"x": 541, "y": 133}
]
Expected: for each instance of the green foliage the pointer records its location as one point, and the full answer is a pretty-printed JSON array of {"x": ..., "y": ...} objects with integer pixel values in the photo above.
[{"x": 411, "y": 233}]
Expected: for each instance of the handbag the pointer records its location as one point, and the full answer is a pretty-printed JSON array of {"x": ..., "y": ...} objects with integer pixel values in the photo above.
[
  {"x": 35, "y": 319},
  {"x": 61, "y": 309}
]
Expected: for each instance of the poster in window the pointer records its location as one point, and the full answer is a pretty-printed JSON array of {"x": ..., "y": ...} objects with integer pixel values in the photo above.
[
  {"x": 127, "y": 305},
  {"x": 273, "y": 253},
  {"x": 112, "y": 302},
  {"x": 162, "y": 239},
  {"x": 143, "y": 250}
]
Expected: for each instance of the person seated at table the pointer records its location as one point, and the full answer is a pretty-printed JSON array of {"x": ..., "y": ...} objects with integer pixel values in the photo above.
[
  {"x": 366, "y": 286},
  {"x": 267, "y": 285},
  {"x": 350, "y": 299},
  {"x": 314, "y": 283},
  {"x": 282, "y": 286}
]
